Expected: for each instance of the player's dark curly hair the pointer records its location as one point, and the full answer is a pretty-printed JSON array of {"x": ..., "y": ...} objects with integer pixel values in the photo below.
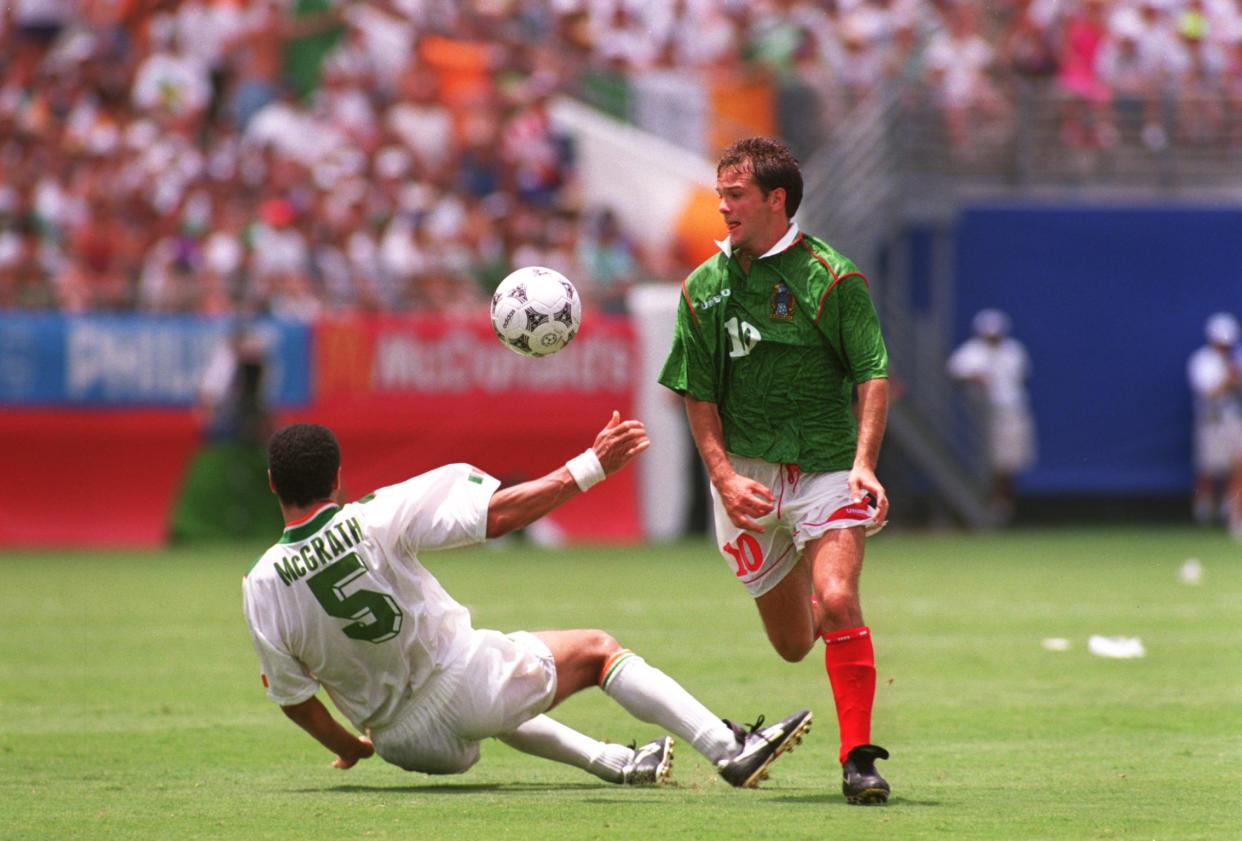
[
  {"x": 772, "y": 165},
  {"x": 304, "y": 459}
]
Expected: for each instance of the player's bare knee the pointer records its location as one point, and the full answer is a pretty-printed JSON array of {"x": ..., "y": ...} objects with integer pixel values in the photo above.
[
  {"x": 600, "y": 644},
  {"x": 840, "y": 609}
]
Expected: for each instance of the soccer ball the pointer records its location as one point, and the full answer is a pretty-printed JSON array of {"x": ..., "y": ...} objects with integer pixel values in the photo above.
[{"x": 536, "y": 311}]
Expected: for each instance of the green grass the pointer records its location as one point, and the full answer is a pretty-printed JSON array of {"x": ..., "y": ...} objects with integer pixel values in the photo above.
[{"x": 130, "y": 705}]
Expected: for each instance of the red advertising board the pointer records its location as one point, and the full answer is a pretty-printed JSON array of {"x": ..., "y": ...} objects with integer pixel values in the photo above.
[
  {"x": 409, "y": 393},
  {"x": 97, "y": 478},
  {"x": 404, "y": 395}
]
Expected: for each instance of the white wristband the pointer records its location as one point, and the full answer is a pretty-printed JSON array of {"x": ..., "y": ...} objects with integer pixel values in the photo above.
[{"x": 586, "y": 469}]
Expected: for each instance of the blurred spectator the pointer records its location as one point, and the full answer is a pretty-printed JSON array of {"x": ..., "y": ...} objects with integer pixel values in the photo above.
[
  {"x": 1161, "y": 53},
  {"x": 997, "y": 366},
  {"x": 23, "y": 281},
  {"x": 537, "y": 158},
  {"x": 621, "y": 39},
  {"x": 344, "y": 101},
  {"x": 232, "y": 401},
  {"x": 701, "y": 35},
  {"x": 1231, "y": 86},
  {"x": 1197, "y": 77},
  {"x": 1085, "y": 118},
  {"x": 609, "y": 260},
  {"x": 1215, "y": 375},
  {"x": 99, "y": 245},
  {"x": 857, "y": 59},
  {"x": 35, "y": 26},
  {"x": 959, "y": 66},
  {"x": 464, "y": 64},
  {"x": 421, "y": 121},
  {"x": 218, "y": 494},
  {"x": 1028, "y": 45},
  {"x": 1133, "y": 77},
  {"x": 170, "y": 85},
  {"x": 381, "y": 40}
]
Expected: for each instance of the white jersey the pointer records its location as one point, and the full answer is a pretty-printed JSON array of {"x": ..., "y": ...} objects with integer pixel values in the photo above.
[
  {"x": 343, "y": 602},
  {"x": 1002, "y": 368},
  {"x": 1208, "y": 371}
]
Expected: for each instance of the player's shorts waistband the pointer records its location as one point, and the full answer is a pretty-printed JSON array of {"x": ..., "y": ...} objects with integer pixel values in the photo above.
[{"x": 751, "y": 466}]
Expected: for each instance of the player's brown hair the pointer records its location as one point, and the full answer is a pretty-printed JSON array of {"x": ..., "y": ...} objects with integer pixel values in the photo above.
[
  {"x": 772, "y": 165},
  {"x": 304, "y": 459}
]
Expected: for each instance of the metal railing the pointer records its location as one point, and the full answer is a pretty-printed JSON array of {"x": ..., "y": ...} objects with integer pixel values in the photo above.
[{"x": 1168, "y": 142}]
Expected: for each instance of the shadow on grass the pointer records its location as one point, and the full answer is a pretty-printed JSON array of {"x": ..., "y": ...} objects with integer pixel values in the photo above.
[
  {"x": 453, "y": 788},
  {"x": 832, "y": 798},
  {"x": 816, "y": 798}
]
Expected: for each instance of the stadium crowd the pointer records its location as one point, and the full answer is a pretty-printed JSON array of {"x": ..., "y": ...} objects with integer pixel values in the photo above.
[{"x": 302, "y": 156}]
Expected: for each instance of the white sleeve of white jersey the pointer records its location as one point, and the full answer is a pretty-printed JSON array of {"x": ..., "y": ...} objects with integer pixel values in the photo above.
[
  {"x": 284, "y": 677},
  {"x": 968, "y": 361},
  {"x": 1205, "y": 372},
  {"x": 1024, "y": 360},
  {"x": 441, "y": 509}
]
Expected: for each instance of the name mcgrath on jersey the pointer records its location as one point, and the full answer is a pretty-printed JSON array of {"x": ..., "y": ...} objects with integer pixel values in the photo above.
[{"x": 343, "y": 602}]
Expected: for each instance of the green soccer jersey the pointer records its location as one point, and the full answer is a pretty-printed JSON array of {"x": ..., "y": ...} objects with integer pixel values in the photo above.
[{"x": 779, "y": 351}]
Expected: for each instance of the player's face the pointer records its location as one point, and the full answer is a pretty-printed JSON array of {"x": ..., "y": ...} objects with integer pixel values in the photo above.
[{"x": 755, "y": 221}]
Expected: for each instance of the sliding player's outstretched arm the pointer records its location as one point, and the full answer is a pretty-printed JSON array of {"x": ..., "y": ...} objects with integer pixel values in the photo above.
[
  {"x": 313, "y": 717},
  {"x": 520, "y": 505}
]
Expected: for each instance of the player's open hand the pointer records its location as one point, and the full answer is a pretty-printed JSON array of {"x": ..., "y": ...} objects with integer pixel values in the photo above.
[
  {"x": 364, "y": 750},
  {"x": 620, "y": 441},
  {"x": 746, "y": 501}
]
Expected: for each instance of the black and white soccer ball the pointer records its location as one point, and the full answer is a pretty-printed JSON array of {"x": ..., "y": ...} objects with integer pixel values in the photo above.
[{"x": 536, "y": 311}]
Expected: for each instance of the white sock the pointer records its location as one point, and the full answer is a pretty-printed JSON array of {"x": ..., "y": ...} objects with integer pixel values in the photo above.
[
  {"x": 652, "y": 696},
  {"x": 546, "y": 737}
]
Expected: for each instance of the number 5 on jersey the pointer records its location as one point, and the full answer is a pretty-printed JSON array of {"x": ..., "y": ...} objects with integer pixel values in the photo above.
[{"x": 376, "y": 616}]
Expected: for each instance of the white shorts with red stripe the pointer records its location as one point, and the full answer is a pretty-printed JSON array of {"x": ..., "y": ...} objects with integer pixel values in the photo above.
[{"x": 805, "y": 505}]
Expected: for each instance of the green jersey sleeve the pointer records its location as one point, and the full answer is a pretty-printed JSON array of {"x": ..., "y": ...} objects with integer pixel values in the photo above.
[
  {"x": 691, "y": 364},
  {"x": 850, "y": 324}
]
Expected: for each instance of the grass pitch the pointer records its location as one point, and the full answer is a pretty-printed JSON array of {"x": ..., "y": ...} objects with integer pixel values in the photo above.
[{"x": 130, "y": 705}]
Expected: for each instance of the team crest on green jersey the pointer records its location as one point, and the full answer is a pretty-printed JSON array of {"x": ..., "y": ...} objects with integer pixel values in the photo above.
[{"x": 782, "y": 302}]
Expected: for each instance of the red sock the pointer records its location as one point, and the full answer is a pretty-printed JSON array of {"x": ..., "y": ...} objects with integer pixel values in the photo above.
[{"x": 849, "y": 660}]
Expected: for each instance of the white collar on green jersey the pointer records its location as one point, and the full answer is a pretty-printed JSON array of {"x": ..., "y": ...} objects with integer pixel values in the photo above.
[{"x": 726, "y": 244}]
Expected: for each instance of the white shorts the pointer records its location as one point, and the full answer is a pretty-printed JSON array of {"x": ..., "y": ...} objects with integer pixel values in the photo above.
[
  {"x": 501, "y": 682},
  {"x": 806, "y": 505},
  {"x": 1011, "y": 440},
  {"x": 1218, "y": 446}
]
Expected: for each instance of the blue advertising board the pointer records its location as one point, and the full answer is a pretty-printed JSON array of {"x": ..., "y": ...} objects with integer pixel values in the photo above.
[
  {"x": 1110, "y": 302},
  {"x": 131, "y": 360}
]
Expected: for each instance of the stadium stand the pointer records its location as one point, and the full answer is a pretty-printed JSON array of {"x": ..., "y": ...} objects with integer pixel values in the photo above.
[{"x": 198, "y": 156}]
